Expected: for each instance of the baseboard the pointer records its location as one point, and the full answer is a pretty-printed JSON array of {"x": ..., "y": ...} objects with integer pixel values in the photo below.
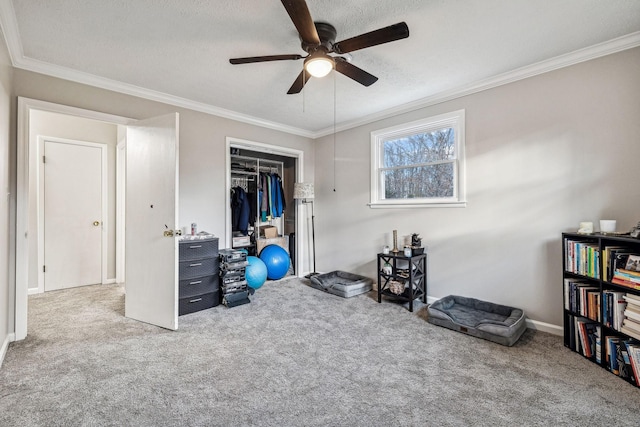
[
  {"x": 109, "y": 282},
  {"x": 545, "y": 327},
  {"x": 33, "y": 291},
  {"x": 5, "y": 346}
]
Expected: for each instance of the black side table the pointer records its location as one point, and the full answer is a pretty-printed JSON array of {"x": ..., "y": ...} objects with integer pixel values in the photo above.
[{"x": 412, "y": 271}]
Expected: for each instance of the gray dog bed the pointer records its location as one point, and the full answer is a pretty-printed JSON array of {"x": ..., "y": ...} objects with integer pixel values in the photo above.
[
  {"x": 498, "y": 323},
  {"x": 342, "y": 283}
]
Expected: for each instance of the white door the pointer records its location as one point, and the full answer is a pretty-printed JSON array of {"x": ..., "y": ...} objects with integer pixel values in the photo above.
[
  {"x": 72, "y": 196},
  {"x": 151, "y": 208}
]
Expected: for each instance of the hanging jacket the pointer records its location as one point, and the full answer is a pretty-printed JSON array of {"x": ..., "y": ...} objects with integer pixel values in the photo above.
[
  {"x": 240, "y": 210},
  {"x": 277, "y": 195},
  {"x": 270, "y": 210},
  {"x": 283, "y": 201},
  {"x": 264, "y": 199}
]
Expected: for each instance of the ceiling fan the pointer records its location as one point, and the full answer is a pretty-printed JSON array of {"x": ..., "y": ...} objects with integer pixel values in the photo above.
[{"x": 318, "y": 40}]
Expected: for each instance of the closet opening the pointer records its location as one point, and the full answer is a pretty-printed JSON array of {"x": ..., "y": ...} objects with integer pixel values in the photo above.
[{"x": 261, "y": 210}]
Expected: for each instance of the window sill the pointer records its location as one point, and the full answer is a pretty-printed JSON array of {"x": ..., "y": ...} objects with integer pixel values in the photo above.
[{"x": 405, "y": 205}]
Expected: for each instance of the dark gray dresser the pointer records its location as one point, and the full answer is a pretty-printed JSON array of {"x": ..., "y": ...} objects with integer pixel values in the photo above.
[{"x": 199, "y": 265}]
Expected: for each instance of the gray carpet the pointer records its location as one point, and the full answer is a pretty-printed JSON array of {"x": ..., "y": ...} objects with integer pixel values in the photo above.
[{"x": 295, "y": 356}]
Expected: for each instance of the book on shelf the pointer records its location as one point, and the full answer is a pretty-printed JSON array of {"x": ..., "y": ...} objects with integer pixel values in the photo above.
[
  {"x": 613, "y": 306},
  {"x": 629, "y": 273},
  {"x": 623, "y": 274},
  {"x": 606, "y": 257},
  {"x": 632, "y": 315},
  {"x": 633, "y": 299},
  {"x": 631, "y": 307},
  {"x": 611, "y": 353},
  {"x": 633, "y": 351},
  {"x": 582, "y": 298},
  {"x": 632, "y": 324},
  {"x": 625, "y": 270},
  {"x": 587, "y": 333},
  {"x": 624, "y": 362},
  {"x": 624, "y": 282},
  {"x": 598, "y": 339},
  {"x": 582, "y": 258},
  {"x": 630, "y": 332}
]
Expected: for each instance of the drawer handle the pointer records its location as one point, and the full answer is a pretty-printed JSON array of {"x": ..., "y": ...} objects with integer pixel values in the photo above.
[
  {"x": 196, "y": 283},
  {"x": 195, "y": 300},
  {"x": 195, "y": 247},
  {"x": 195, "y": 265}
]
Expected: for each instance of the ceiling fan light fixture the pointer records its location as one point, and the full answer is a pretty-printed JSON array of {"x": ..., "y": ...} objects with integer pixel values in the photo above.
[{"x": 319, "y": 65}]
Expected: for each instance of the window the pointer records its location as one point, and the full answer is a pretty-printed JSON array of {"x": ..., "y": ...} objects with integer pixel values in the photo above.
[{"x": 419, "y": 163}]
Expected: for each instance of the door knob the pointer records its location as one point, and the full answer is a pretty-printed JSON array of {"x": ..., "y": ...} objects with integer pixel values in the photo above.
[
  {"x": 96, "y": 223},
  {"x": 172, "y": 233}
]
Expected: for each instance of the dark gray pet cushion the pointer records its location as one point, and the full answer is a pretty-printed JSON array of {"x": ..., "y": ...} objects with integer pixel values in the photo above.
[
  {"x": 494, "y": 322},
  {"x": 342, "y": 283}
]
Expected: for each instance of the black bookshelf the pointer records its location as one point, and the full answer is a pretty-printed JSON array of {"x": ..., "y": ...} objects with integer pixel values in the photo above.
[{"x": 590, "y": 299}]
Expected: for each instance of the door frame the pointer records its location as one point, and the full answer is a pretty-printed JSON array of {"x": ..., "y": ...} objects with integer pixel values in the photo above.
[
  {"x": 40, "y": 203},
  {"x": 24, "y": 147},
  {"x": 260, "y": 147}
]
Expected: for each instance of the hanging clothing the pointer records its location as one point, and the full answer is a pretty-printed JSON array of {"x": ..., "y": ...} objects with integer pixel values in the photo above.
[
  {"x": 272, "y": 201},
  {"x": 283, "y": 201},
  {"x": 278, "y": 195},
  {"x": 240, "y": 210},
  {"x": 264, "y": 200}
]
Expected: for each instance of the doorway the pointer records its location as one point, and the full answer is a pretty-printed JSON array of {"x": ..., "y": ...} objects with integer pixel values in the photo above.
[
  {"x": 72, "y": 209},
  {"x": 26, "y": 224},
  {"x": 290, "y": 157}
]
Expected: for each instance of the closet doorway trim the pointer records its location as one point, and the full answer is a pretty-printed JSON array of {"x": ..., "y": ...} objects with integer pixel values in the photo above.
[{"x": 260, "y": 147}]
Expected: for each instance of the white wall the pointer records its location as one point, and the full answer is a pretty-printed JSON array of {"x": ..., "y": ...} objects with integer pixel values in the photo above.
[
  {"x": 43, "y": 123},
  {"x": 202, "y": 141},
  {"x": 543, "y": 154},
  {"x": 8, "y": 203}
]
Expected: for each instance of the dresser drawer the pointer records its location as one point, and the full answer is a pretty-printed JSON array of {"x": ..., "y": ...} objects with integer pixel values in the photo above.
[
  {"x": 198, "y": 286},
  {"x": 198, "y": 249},
  {"x": 198, "y": 302},
  {"x": 198, "y": 268}
]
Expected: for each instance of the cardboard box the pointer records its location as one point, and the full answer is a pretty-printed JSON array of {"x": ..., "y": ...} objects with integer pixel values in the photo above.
[
  {"x": 283, "y": 242},
  {"x": 269, "y": 231}
]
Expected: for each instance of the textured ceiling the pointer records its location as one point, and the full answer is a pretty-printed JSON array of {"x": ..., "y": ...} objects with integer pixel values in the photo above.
[{"x": 181, "y": 48}]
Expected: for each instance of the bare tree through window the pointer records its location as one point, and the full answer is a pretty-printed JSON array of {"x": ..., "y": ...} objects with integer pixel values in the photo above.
[
  {"x": 420, "y": 163},
  {"x": 419, "y": 166}
]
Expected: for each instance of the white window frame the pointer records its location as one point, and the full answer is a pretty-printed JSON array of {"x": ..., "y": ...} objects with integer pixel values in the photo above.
[{"x": 455, "y": 120}]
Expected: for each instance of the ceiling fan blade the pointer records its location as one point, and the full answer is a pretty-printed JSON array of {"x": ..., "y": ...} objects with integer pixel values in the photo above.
[
  {"x": 383, "y": 35},
  {"x": 251, "y": 59},
  {"x": 297, "y": 86},
  {"x": 299, "y": 14},
  {"x": 355, "y": 73}
]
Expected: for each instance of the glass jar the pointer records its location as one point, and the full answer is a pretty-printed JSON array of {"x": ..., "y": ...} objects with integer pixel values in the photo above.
[{"x": 387, "y": 269}]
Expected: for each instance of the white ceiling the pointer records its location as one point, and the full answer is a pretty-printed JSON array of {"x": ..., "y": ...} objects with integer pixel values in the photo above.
[{"x": 177, "y": 51}]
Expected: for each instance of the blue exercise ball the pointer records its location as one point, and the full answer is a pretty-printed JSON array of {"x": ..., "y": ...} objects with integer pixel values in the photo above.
[
  {"x": 277, "y": 261},
  {"x": 255, "y": 272}
]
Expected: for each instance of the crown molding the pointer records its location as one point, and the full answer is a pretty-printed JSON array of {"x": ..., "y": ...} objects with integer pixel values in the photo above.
[
  {"x": 619, "y": 44},
  {"x": 140, "y": 92},
  {"x": 9, "y": 27}
]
